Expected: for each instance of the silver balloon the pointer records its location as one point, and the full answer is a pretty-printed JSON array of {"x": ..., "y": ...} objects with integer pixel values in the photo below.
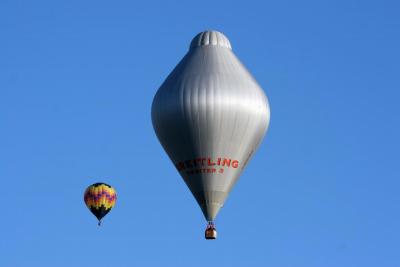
[{"x": 210, "y": 116}]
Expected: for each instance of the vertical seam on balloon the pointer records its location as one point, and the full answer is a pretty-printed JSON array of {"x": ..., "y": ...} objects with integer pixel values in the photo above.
[
  {"x": 228, "y": 104},
  {"x": 206, "y": 111},
  {"x": 235, "y": 112},
  {"x": 199, "y": 86},
  {"x": 187, "y": 111},
  {"x": 184, "y": 113}
]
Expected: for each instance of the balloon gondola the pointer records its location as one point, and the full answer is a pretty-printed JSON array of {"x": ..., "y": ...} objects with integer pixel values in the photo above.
[{"x": 211, "y": 231}]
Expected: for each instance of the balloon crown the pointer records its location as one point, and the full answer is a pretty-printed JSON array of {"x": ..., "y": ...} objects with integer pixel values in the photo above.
[{"x": 207, "y": 38}]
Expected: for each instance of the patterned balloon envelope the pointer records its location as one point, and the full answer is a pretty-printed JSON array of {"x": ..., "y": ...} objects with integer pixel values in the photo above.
[{"x": 100, "y": 198}]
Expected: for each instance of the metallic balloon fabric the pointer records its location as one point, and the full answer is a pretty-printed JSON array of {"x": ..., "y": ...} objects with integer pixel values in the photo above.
[{"x": 210, "y": 115}]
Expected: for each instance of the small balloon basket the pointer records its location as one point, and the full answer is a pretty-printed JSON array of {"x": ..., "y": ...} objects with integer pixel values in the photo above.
[{"x": 211, "y": 232}]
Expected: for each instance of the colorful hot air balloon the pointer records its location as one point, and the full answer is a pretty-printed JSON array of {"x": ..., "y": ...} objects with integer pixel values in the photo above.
[
  {"x": 210, "y": 116},
  {"x": 100, "y": 199}
]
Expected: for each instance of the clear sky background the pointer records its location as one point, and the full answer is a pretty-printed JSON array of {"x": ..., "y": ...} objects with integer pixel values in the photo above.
[{"x": 77, "y": 79}]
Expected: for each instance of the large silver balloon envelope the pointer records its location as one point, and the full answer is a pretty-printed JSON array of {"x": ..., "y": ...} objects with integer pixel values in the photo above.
[{"x": 210, "y": 116}]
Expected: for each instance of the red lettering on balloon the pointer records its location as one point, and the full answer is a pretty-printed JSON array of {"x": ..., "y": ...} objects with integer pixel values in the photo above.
[
  {"x": 235, "y": 164},
  {"x": 210, "y": 163},
  {"x": 199, "y": 165},
  {"x": 226, "y": 162}
]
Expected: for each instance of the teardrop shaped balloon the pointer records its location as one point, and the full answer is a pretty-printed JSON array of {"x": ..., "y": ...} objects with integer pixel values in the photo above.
[
  {"x": 100, "y": 198},
  {"x": 210, "y": 116}
]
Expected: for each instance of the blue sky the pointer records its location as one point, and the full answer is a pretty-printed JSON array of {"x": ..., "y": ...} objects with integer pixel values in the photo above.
[{"x": 77, "y": 79}]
